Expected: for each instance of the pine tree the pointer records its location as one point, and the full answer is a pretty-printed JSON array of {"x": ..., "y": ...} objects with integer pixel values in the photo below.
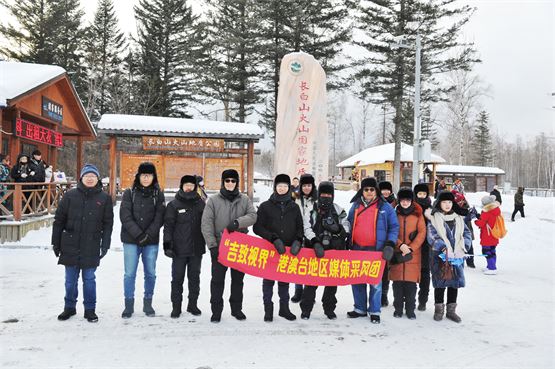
[
  {"x": 229, "y": 57},
  {"x": 31, "y": 40},
  {"x": 67, "y": 38},
  {"x": 167, "y": 41},
  {"x": 104, "y": 45},
  {"x": 317, "y": 27},
  {"x": 388, "y": 73},
  {"x": 482, "y": 144}
]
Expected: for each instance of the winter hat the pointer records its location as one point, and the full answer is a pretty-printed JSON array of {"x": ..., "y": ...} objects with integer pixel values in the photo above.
[
  {"x": 230, "y": 173},
  {"x": 200, "y": 180},
  {"x": 326, "y": 187},
  {"x": 489, "y": 199},
  {"x": 282, "y": 178},
  {"x": 307, "y": 179},
  {"x": 36, "y": 152},
  {"x": 369, "y": 182},
  {"x": 496, "y": 187},
  {"x": 421, "y": 187},
  {"x": 445, "y": 195},
  {"x": 385, "y": 185},
  {"x": 146, "y": 168},
  {"x": 405, "y": 193},
  {"x": 187, "y": 179},
  {"x": 89, "y": 168}
]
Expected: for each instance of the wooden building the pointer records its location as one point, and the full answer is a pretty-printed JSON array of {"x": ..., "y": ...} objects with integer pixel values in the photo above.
[
  {"x": 39, "y": 109},
  {"x": 474, "y": 178},
  {"x": 378, "y": 162},
  {"x": 179, "y": 146}
]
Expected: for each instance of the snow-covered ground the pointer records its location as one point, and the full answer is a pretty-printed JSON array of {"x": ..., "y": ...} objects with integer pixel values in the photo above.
[{"x": 508, "y": 319}]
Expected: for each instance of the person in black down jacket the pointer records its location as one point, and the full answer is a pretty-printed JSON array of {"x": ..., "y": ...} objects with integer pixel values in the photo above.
[
  {"x": 184, "y": 243},
  {"x": 279, "y": 221},
  {"x": 142, "y": 215},
  {"x": 81, "y": 236}
]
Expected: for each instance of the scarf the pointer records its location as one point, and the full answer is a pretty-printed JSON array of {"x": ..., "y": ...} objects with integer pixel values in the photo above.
[{"x": 438, "y": 220}]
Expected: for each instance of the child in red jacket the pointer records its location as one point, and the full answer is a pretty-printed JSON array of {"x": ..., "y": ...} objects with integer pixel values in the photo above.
[{"x": 490, "y": 212}]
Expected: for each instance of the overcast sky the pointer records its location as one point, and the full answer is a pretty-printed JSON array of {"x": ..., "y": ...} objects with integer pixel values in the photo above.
[{"x": 515, "y": 40}]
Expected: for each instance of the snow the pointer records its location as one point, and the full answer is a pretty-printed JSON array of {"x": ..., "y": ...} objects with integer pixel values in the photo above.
[
  {"x": 507, "y": 318},
  {"x": 18, "y": 78},
  {"x": 141, "y": 123},
  {"x": 445, "y": 168},
  {"x": 381, "y": 154}
]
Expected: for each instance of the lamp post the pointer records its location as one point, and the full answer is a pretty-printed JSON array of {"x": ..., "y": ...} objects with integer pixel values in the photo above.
[{"x": 416, "y": 139}]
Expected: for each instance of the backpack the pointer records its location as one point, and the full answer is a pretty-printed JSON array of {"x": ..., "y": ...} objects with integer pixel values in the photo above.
[{"x": 498, "y": 230}]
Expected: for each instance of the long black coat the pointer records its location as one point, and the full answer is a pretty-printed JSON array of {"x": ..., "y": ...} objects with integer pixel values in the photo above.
[
  {"x": 18, "y": 169},
  {"x": 279, "y": 220},
  {"x": 142, "y": 211},
  {"x": 83, "y": 225},
  {"x": 182, "y": 225}
]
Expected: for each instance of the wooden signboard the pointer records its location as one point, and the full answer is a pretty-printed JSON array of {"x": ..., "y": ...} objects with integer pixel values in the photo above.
[
  {"x": 177, "y": 167},
  {"x": 214, "y": 167},
  {"x": 130, "y": 163},
  {"x": 195, "y": 144}
]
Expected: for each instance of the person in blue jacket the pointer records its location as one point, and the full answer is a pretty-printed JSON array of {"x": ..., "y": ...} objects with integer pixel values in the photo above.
[{"x": 374, "y": 228}]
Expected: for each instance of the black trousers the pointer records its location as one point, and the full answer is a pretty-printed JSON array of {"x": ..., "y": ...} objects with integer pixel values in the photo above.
[
  {"x": 385, "y": 281},
  {"x": 191, "y": 265},
  {"x": 518, "y": 208},
  {"x": 424, "y": 285},
  {"x": 439, "y": 295},
  {"x": 329, "y": 301},
  {"x": 217, "y": 285},
  {"x": 404, "y": 293},
  {"x": 268, "y": 291}
]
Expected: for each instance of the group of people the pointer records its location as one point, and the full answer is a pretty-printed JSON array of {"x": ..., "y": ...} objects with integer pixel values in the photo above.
[
  {"x": 28, "y": 168},
  {"x": 418, "y": 240}
]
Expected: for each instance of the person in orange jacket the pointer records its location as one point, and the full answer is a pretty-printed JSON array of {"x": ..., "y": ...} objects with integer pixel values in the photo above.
[{"x": 405, "y": 265}]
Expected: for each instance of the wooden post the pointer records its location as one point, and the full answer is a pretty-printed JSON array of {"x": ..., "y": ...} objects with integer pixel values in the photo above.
[
  {"x": 113, "y": 145},
  {"x": 250, "y": 169},
  {"x": 79, "y": 155},
  {"x": 17, "y": 197}
]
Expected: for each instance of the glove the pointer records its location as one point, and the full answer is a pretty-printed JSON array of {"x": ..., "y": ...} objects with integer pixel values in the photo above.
[
  {"x": 57, "y": 250},
  {"x": 23, "y": 175},
  {"x": 168, "y": 253},
  {"x": 388, "y": 250},
  {"x": 214, "y": 252},
  {"x": 233, "y": 226},
  {"x": 280, "y": 247},
  {"x": 103, "y": 252},
  {"x": 318, "y": 249},
  {"x": 32, "y": 173},
  {"x": 295, "y": 247},
  {"x": 144, "y": 239}
]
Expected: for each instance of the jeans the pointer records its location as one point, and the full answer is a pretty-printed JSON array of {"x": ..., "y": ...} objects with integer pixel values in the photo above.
[
  {"x": 131, "y": 254},
  {"x": 373, "y": 304},
  {"x": 191, "y": 265},
  {"x": 89, "y": 287},
  {"x": 491, "y": 256}
]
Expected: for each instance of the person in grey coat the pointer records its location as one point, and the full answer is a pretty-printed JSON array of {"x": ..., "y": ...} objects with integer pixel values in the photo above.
[{"x": 229, "y": 209}]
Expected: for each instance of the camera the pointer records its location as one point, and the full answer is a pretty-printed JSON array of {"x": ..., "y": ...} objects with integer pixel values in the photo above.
[{"x": 326, "y": 239}]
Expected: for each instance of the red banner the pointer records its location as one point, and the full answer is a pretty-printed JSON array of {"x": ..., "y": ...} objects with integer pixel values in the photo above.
[
  {"x": 37, "y": 133},
  {"x": 258, "y": 257}
]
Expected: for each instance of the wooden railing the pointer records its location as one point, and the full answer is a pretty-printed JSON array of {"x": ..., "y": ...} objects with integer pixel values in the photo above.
[{"x": 25, "y": 200}]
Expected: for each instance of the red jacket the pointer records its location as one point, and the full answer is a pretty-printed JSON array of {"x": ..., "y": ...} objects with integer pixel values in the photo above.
[{"x": 489, "y": 214}]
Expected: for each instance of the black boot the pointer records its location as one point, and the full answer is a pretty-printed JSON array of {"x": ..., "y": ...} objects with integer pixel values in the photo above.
[
  {"x": 470, "y": 263},
  {"x": 147, "y": 307},
  {"x": 355, "y": 314},
  {"x": 193, "y": 308},
  {"x": 297, "y": 297},
  {"x": 129, "y": 308},
  {"x": 330, "y": 314},
  {"x": 238, "y": 315},
  {"x": 305, "y": 315},
  {"x": 421, "y": 306},
  {"x": 67, "y": 313},
  {"x": 176, "y": 311},
  {"x": 269, "y": 312},
  {"x": 216, "y": 317},
  {"x": 91, "y": 316},
  {"x": 385, "y": 301},
  {"x": 284, "y": 311},
  {"x": 375, "y": 319}
]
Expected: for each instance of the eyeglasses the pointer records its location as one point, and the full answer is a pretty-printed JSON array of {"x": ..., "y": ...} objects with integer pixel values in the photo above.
[
  {"x": 369, "y": 189},
  {"x": 230, "y": 180}
]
